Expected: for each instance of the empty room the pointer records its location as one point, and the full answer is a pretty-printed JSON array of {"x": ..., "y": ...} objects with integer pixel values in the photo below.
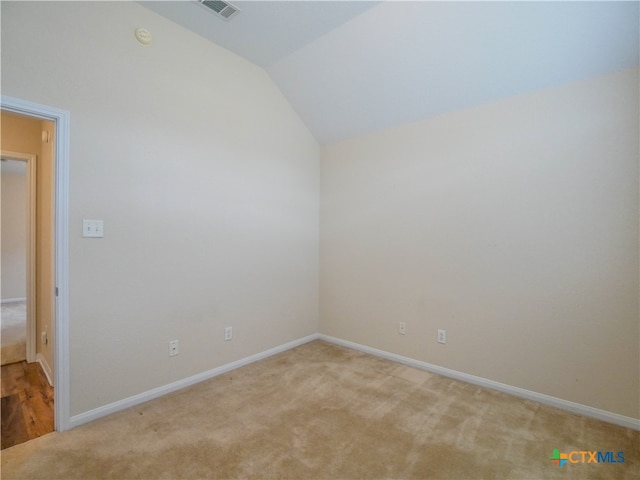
[{"x": 332, "y": 239}]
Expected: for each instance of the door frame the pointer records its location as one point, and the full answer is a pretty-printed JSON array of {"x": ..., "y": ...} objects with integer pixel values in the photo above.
[
  {"x": 31, "y": 170},
  {"x": 61, "y": 366}
]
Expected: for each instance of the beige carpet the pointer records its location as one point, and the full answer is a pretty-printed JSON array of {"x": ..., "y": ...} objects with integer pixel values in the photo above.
[
  {"x": 13, "y": 332},
  {"x": 324, "y": 412}
]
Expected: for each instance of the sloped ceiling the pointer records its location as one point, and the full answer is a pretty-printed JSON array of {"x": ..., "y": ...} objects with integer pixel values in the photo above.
[{"x": 354, "y": 67}]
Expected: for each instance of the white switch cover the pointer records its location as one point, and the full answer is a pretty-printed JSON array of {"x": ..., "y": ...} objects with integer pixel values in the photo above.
[{"x": 93, "y": 228}]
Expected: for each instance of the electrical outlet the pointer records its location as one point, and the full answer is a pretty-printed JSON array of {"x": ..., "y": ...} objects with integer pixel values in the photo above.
[
  {"x": 442, "y": 336},
  {"x": 228, "y": 333},
  {"x": 174, "y": 348},
  {"x": 402, "y": 328}
]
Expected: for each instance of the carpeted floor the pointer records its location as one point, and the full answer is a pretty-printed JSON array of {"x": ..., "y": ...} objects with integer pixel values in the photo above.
[
  {"x": 325, "y": 412},
  {"x": 13, "y": 332}
]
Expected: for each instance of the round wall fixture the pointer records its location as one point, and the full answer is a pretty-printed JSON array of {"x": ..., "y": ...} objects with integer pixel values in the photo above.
[{"x": 143, "y": 36}]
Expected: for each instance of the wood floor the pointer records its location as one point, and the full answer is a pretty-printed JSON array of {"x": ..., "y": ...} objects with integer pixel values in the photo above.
[{"x": 27, "y": 403}]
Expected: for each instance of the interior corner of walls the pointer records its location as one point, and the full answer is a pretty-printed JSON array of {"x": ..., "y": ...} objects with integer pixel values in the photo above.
[{"x": 46, "y": 368}]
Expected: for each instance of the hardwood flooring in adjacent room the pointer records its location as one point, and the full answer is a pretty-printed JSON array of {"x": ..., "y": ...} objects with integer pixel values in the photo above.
[{"x": 27, "y": 403}]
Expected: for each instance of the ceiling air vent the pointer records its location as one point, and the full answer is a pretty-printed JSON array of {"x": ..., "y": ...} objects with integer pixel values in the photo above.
[{"x": 222, "y": 9}]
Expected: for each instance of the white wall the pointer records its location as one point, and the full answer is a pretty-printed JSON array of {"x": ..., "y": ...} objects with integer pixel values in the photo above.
[
  {"x": 513, "y": 225},
  {"x": 206, "y": 180},
  {"x": 14, "y": 230}
]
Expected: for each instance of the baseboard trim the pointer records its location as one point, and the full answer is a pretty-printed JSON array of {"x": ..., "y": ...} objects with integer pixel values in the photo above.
[
  {"x": 566, "y": 405},
  {"x": 13, "y": 300},
  {"x": 134, "y": 400},
  {"x": 46, "y": 368}
]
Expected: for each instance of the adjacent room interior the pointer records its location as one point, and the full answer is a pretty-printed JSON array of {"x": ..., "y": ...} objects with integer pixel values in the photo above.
[
  {"x": 14, "y": 261},
  {"x": 445, "y": 193},
  {"x": 27, "y": 284}
]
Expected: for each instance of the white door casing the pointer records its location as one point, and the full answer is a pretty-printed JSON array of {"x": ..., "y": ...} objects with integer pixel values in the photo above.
[{"x": 61, "y": 120}]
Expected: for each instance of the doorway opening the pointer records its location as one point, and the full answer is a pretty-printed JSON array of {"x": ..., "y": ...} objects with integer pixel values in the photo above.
[
  {"x": 50, "y": 336},
  {"x": 17, "y": 285},
  {"x": 27, "y": 284}
]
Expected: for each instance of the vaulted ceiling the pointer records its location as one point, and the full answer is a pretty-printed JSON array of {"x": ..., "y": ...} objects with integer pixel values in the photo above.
[{"x": 354, "y": 67}]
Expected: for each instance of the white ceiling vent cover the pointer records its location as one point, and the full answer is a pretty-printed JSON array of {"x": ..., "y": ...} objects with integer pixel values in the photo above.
[{"x": 224, "y": 10}]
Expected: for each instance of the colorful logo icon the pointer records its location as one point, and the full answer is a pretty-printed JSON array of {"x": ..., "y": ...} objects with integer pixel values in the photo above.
[{"x": 559, "y": 458}]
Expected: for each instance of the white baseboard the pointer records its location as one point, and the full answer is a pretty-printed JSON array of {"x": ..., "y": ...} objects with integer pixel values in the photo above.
[
  {"x": 114, "y": 407},
  {"x": 46, "y": 368},
  {"x": 13, "y": 300},
  {"x": 572, "y": 407},
  {"x": 566, "y": 405}
]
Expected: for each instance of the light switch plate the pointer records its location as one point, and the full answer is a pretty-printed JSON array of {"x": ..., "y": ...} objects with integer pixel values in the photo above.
[{"x": 93, "y": 228}]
